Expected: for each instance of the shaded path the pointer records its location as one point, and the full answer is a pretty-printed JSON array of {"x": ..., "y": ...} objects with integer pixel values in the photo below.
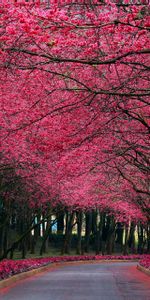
[{"x": 100, "y": 281}]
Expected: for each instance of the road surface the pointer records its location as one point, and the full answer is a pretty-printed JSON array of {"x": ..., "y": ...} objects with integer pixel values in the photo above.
[{"x": 98, "y": 281}]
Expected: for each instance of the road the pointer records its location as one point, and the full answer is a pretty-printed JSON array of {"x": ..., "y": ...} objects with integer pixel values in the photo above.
[{"x": 98, "y": 281}]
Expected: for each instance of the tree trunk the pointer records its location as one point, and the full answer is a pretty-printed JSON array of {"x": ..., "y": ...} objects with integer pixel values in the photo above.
[
  {"x": 100, "y": 247},
  {"x": 119, "y": 236},
  {"x": 88, "y": 219},
  {"x": 24, "y": 249},
  {"x": 60, "y": 223},
  {"x": 140, "y": 239},
  {"x": 126, "y": 247},
  {"x": 131, "y": 241},
  {"x": 18, "y": 241},
  {"x": 148, "y": 239},
  {"x": 79, "y": 232},
  {"x": 1, "y": 240},
  {"x": 45, "y": 236},
  {"x": 110, "y": 235},
  {"x": 68, "y": 233},
  {"x": 5, "y": 238}
]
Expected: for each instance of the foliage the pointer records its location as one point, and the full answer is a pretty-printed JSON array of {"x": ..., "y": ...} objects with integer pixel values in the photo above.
[
  {"x": 145, "y": 262},
  {"x": 75, "y": 117}
]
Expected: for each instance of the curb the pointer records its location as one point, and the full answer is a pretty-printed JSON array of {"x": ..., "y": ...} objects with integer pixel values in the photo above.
[
  {"x": 50, "y": 267},
  {"x": 144, "y": 270},
  {"x": 13, "y": 279}
]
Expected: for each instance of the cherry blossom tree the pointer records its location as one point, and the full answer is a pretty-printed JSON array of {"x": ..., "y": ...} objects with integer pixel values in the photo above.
[{"x": 75, "y": 103}]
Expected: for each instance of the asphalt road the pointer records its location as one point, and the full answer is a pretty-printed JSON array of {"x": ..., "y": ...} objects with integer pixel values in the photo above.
[{"x": 100, "y": 281}]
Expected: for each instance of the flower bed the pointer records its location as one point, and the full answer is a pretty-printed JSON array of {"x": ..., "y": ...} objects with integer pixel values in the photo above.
[
  {"x": 145, "y": 262},
  {"x": 10, "y": 267}
]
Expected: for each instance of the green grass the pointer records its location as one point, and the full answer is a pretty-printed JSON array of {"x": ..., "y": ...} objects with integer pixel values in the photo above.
[{"x": 50, "y": 252}]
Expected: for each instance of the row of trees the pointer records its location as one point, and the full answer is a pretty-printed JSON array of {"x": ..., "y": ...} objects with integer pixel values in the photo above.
[
  {"x": 30, "y": 232},
  {"x": 75, "y": 119}
]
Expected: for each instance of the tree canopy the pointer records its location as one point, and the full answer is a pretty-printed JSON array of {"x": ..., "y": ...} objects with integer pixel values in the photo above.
[{"x": 75, "y": 116}]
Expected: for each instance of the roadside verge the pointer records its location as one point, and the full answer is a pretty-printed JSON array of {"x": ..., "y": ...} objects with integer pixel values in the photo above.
[{"x": 144, "y": 270}]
